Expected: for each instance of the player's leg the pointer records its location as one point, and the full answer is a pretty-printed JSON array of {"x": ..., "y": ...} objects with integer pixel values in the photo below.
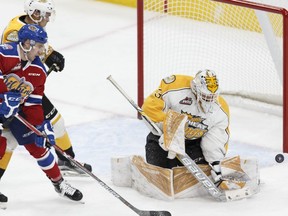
[
  {"x": 4, "y": 162},
  {"x": 45, "y": 160},
  {"x": 3, "y": 201},
  {"x": 3, "y": 148},
  {"x": 47, "y": 163},
  {"x": 11, "y": 145},
  {"x": 62, "y": 137}
]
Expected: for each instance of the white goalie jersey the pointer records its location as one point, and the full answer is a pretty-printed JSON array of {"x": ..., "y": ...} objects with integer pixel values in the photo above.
[
  {"x": 212, "y": 127},
  {"x": 176, "y": 108}
]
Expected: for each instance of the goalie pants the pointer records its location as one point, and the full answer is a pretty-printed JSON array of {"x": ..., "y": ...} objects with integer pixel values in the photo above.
[{"x": 155, "y": 155}]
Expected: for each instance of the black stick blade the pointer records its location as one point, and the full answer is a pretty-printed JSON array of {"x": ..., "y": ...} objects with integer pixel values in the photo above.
[{"x": 154, "y": 213}]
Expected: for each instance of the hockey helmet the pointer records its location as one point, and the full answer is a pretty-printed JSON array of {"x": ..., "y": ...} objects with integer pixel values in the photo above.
[
  {"x": 205, "y": 86},
  {"x": 34, "y": 33},
  {"x": 45, "y": 7}
]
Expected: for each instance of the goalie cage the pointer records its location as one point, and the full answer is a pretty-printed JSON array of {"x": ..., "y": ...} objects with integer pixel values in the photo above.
[{"x": 183, "y": 36}]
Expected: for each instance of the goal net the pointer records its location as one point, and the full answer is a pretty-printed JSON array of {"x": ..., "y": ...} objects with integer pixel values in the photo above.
[{"x": 243, "y": 42}]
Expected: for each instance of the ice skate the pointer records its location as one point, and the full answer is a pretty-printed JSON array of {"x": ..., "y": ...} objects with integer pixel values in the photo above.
[
  {"x": 69, "y": 169},
  {"x": 3, "y": 201},
  {"x": 66, "y": 190}
]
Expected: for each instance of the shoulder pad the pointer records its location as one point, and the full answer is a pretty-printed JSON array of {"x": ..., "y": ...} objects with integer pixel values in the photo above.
[
  {"x": 169, "y": 79},
  {"x": 12, "y": 36}
]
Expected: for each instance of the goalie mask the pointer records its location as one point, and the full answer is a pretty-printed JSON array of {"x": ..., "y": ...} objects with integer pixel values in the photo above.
[
  {"x": 41, "y": 9},
  {"x": 205, "y": 86}
]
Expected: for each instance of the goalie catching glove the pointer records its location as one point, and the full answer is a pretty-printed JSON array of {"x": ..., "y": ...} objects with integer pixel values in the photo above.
[
  {"x": 228, "y": 175},
  {"x": 48, "y": 133}
]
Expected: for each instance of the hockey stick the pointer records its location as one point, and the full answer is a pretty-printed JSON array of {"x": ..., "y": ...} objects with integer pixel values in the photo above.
[
  {"x": 152, "y": 126},
  {"x": 103, "y": 184},
  {"x": 192, "y": 167},
  {"x": 51, "y": 69}
]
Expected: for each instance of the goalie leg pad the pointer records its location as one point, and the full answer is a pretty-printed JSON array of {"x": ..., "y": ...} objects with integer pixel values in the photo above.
[
  {"x": 150, "y": 180},
  {"x": 121, "y": 171},
  {"x": 251, "y": 168},
  {"x": 186, "y": 185}
]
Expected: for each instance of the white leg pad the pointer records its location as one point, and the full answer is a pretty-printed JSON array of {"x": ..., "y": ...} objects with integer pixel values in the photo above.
[{"x": 121, "y": 171}]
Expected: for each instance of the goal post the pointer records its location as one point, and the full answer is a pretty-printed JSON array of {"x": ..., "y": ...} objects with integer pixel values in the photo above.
[{"x": 245, "y": 42}]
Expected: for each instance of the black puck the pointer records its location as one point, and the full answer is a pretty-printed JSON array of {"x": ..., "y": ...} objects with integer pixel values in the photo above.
[{"x": 279, "y": 158}]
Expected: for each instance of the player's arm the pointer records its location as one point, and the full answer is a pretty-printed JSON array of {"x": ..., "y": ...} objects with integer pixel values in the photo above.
[
  {"x": 214, "y": 144},
  {"x": 10, "y": 33},
  {"x": 3, "y": 87},
  {"x": 154, "y": 105},
  {"x": 10, "y": 36}
]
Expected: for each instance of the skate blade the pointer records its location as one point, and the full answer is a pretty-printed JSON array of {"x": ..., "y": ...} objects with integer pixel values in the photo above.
[
  {"x": 69, "y": 173},
  {"x": 3, "y": 205},
  {"x": 74, "y": 201}
]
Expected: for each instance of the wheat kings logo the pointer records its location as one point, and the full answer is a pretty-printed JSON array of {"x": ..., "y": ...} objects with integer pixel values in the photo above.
[
  {"x": 14, "y": 82},
  {"x": 194, "y": 127}
]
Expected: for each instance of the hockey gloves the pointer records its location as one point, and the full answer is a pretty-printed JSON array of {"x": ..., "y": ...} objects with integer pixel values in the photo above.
[
  {"x": 48, "y": 133},
  {"x": 10, "y": 103},
  {"x": 3, "y": 145},
  {"x": 57, "y": 59},
  {"x": 225, "y": 182}
]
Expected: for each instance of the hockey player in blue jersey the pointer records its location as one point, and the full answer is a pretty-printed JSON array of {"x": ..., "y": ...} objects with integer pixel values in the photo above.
[
  {"x": 22, "y": 84},
  {"x": 41, "y": 13}
]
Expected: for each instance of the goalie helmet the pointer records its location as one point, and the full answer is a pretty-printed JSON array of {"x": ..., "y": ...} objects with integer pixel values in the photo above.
[
  {"x": 46, "y": 8},
  {"x": 205, "y": 86},
  {"x": 32, "y": 32}
]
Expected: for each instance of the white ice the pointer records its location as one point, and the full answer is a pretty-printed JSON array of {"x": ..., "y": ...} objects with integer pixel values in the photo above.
[{"x": 99, "y": 39}]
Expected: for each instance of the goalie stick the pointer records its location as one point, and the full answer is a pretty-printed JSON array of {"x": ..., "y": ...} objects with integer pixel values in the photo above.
[
  {"x": 192, "y": 167},
  {"x": 103, "y": 184},
  {"x": 152, "y": 126}
]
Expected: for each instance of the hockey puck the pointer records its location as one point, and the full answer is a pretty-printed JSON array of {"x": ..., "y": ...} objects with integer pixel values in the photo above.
[{"x": 279, "y": 158}]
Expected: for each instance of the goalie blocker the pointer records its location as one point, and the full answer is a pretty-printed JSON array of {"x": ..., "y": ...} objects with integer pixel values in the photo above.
[{"x": 178, "y": 182}]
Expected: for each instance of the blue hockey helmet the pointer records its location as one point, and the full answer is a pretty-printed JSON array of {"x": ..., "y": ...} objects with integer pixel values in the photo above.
[{"x": 32, "y": 32}]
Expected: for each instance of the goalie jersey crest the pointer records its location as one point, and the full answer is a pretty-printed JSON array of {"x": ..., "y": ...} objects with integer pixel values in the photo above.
[{"x": 195, "y": 127}]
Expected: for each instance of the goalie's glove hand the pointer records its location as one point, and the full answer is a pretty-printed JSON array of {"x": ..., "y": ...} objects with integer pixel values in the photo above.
[
  {"x": 171, "y": 154},
  {"x": 47, "y": 130},
  {"x": 57, "y": 59},
  {"x": 10, "y": 104},
  {"x": 224, "y": 183}
]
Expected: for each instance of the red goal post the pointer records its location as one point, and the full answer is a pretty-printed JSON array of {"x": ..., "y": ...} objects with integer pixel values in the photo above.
[{"x": 183, "y": 36}]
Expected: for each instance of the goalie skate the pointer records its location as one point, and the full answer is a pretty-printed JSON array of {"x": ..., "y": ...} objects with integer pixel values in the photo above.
[
  {"x": 70, "y": 170},
  {"x": 3, "y": 201}
]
